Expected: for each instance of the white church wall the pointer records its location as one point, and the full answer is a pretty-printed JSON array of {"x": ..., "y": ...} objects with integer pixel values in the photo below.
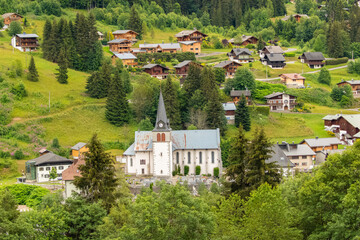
[
  {"x": 162, "y": 158},
  {"x": 142, "y": 163}
]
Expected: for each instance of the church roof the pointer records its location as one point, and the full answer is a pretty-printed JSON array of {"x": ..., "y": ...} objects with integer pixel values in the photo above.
[{"x": 161, "y": 116}]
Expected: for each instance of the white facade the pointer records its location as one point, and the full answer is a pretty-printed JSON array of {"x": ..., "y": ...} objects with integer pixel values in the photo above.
[
  {"x": 43, "y": 172},
  {"x": 70, "y": 188}
]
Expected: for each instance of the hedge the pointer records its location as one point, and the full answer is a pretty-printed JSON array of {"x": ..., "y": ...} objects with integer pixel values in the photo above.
[
  {"x": 264, "y": 110},
  {"x": 336, "y": 61},
  {"x": 165, "y": 57},
  {"x": 216, "y": 172},
  {"x": 186, "y": 170},
  {"x": 289, "y": 54},
  {"x": 197, "y": 170}
]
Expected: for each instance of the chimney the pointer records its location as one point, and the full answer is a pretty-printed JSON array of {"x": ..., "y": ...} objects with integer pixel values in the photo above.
[
  {"x": 293, "y": 142},
  {"x": 162, "y": 41}
]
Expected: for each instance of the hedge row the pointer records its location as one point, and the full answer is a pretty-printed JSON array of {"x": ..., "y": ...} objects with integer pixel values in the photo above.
[
  {"x": 336, "y": 61},
  {"x": 165, "y": 57},
  {"x": 289, "y": 54}
]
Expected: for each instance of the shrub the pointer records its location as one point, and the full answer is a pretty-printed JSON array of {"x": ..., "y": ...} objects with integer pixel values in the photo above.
[
  {"x": 186, "y": 170},
  {"x": 289, "y": 54},
  {"x": 19, "y": 91},
  {"x": 354, "y": 67},
  {"x": 312, "y": 95},
  {"x": 324, "y": 76},
  {"x": 285, "y": 43},
  {"x": 14, "y": 28},
  {"x": 250, "y": 46},
  {"x": 55, "y": 143},
  {"x": 216, "y": 172},
  {"x": 174, "y": 173},
  {"x": 197, "y": 170},
  {"x": 19, "y": 155},
  {"x": 29, "y": 195},
  {"x": 336, "y": 61}
]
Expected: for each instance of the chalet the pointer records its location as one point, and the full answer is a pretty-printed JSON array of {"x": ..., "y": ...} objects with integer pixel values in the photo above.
[
  {"x": 245, "y": 40},
  {"x": 273, "y": 60},
  {"x": 236, "y": 95},
  {"x": 128, "y": 59},
  {"x": 126, "y": 34},
  {"x": 271, "y": 49},
  {"x": 191, "y": 46},
  {"x": 346, "y": 127},
  {"x": 229, "y": 109},
  {"x": 322, "y": 144},
  {"x": 286, "y": 167},
  {"x": 101, "y": 36},
  {"x": 78, "y": 150},
  {"x": 38, "y": 169},
  {"x": 69, "y": 174},
  {"x": 190, "y": 35},
  {"x": 300, "y": 155},
  {"x": 162, "y": 47},
  {"x": 25, "y": 42},
  {"x": 354, "y": 84},
  {"x": 10, "y": 17},
  {"x": 156, "y": 70},
  {"x": 242, "y": 55},
  {"x": 119, "y": 45},
  {"x": 313, "y": 59},
  {"x": 280, "y": 101},
  {"x": 297, "y": 17},
  {"x": 182, "y": 68},
  {"x": 292, "y": 80},
  {"x": 136, "y": 51},
  {"x": 229, "y": 66}
]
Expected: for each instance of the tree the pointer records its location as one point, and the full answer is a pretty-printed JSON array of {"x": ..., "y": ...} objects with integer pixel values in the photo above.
[
  {"x": 219, "y": 75},
  {"x": 242, "y": 114},
  {"x": 117, "y": 106},
  {"x": 135, "y": 22},
  {"x": 320, "y": 43},
  {"x": 53, "y": 174},
  {"x": 146, "y": 125},
  {"x": 33, "y": 73},
  {"x": 261, "y": 45},
  {"x": 98, "y": 180},
  {"x": 172, "y": 104},
  {"x": 324, "y": 76},
  {"x": 215, "y": 113},
  {"x": 334, "y": 40},
  {"x": 244, "y": 79},
  {"x": 47, "y": 33},
  {"x": 208, "y": 82},
  {"x": 96, "y": 85},
  {"x": 193, "y": 80},
  {"x": 62, "y": 75},
  {"x": 14, "y": 28}
]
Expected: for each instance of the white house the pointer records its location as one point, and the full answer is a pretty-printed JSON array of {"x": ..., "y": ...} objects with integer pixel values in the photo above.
[
  {"x": 69, "y": 176},
  {"x": 161, "y": 151}
]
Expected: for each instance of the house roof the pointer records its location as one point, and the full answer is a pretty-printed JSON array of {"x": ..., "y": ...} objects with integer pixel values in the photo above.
[
  {"x": 239, "y": 93},
  {"x": 275, "y": 57},
  {"x": 313, "y": 56},
  {"x": 138, "y": 50},
  {"x": 291, "y": 149},
  {"x": 322, "y": 142},
  {"x": 188, "y": 32},
  {"x": 187, "y": 42},
  {"x": 118, "y": 41},
  {"x": 351, "y": 82},
  {"x": 100, "y": 33},
  {"x": 331, "y": 117},
  {"x": 245, "y": 38},
  {"x": 72, "y": 171},
  {"x": 273, "y": 49},
  {"x": 293, "y": 76},
  {"x": 279, "y": 157},
  {"x": 24, "y": 35},
  {"x": 124, "y": 56},
  {"x": 5, "y": 15},
  {"x": 238, "y": 51},
  {"x": 149, "y": 45},
  {"x": 353, "y": 119},
  {"x": 182, "y": 64},
  {"x": 225, "y": 63},
  {"x": 151, "y": 65},
  {"x": 288, "y": 16},
  {"x": 161, "y": 45},
  {"x": 230, "y": 106},
  {"x": 124, "y": 31},
  {"x": 276, "y": 94},
  {"x": 78, "y": 146},
  {"x": 50, "y": 158}
]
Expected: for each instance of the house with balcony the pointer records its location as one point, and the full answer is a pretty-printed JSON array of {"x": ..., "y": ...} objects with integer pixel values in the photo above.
[
  {"x": 274, "y": 60},
  {"x": 156, "y": 70},
  {"x": 120, "y": 45},
  {"x": 10, "y": 17},
  {"x": 286, "y": 167},
  {"x": 182, "y": 68},
  {"x": 345, "y": 126},
  {"x": 160, "y": 47},
  {"x": 190, "y": 35},
  {"x": 241, "y": 55},
  {"x": 237, "y": 94},
  {"x": 297, "y": 17},
  {"x": 128, "y": 59},
  {"x": 269, "y": 50},
  {"x": 25, "y": 42},
  {"x": 191, "y": 46},
  {"x": 280, "y": 101},
  {"x": 322, "y": 144},
  {"x": 354, "y": 84},
  {"x": 313, "y": 59},
  {"x": 293, "y": 80},
  {"x": 245, "y": 40},
  {"x": 229, "y": 109},
  {"x": 126, "y": 34},
  {"x": 229, "y": 66}
]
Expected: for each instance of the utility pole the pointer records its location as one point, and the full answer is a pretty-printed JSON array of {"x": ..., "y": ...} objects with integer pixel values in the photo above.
[
  {"x": 266, "y": 71},
  {"x": 49, "y": 101},
  {"x": 302, "y": 66}
]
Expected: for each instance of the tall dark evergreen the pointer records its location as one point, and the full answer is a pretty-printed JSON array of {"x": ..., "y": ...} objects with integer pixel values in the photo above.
[
  {"x": 127, "y": 83},
  {"x": 105, "y": 73},
  {"x": 117, "y": 106},
  {"x": 135, "y": 22},
  {"x": 33, "y": 74},
  {"x": 193, "y": 80},
  {"x": 98, "y": 179},
  {"x": 61, "y": 75},
  {"x": 172, "y": 103},
  {"x": 47, "y": 39},
  {"x": 215, "y": 115},
  {"x": 96, "y": 86},
  {"x": 242, "y": 114},
  {"x": 334, "y": 40},
  {"x": 208, "y": 82}
]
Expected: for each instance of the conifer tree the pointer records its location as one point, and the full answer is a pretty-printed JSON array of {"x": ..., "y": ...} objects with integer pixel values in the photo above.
[
  {"x": 117, "y": 106},
  {"x": 96, "y": 86},
  {"x": 208, "y": 82},
  {"x": 193, "y": 80},
  {"x": 334, "y": 40},
  {"x": 105, "y": 73},
  {"x": 215, "y": 112},
  {"x": 98, "y": 179},
  {"x": 33, "y": 73},
  {"x": 242, "y": 114},
  {"x": 62, "y": 75},
  {"x": 172, "y": 103},
  {"x": 127, "y": 84},
  {"x": 46, "y": 39},
  {"x": 52, "y": 43},
  {"x": 135, "y": 22}
]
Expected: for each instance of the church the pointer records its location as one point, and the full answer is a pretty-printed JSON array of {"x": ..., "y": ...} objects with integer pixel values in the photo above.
[{"x": 161, "y": 151}]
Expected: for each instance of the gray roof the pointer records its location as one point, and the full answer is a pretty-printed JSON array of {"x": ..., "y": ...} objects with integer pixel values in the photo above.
[
  {"x": 239, "y": 93},
  {"x": 331, "y": 117},
  {"x": 279, "y": 157},
  {"x": 138, "y": 50},
  {"x": 123, "y": 31},
  {"x": 296, "y": 149},
  {"x": 229, "y": 106},
  {"x": 151, "y": 65},
  {"x": 187, "y": 32},
  {"x": 50, "y": 158},
  {"x": 277, "y": 94},
  {"x": 351, "y": 82},
  {"x": 238, "y": 51},
  {"x": 224, "y": 64},
  {"x": 182, "y": 64},
  {"x": 78, "y": 146},
  {"x": 161, "y": 45},
  {"x": 288, "y": 16},
  {"x": 322, "y": 142},
  {"x": 274, "y": 49},
  {"x": 118, "y": 41},
  {"x": 275, "y": 57},
  {"x": 187, "y": 42},
  {"x": 124, "y": 56},
  {"x": 353, "y": 119},
  {"x": 161, "y": 116},
  {"x": 24, "y": 35},
  {"x": 148, "y": 45},
  {"x": 313, "y": 56}
]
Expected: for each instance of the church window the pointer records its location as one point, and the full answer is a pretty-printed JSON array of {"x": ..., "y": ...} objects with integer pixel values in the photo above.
[
  {"x": 163, "y": 137},
  {"x": 212, "y": 157},
  {"x": 131, "y": 162},
  {"x": 189, "y": 157},
  {"x": 177, "y": 158},
  {"x": 158, "y": 137},
  {"x": 200, "y": 157},
  {"x": 142, "y": 162},
  {"x": 142, "y": 171}
]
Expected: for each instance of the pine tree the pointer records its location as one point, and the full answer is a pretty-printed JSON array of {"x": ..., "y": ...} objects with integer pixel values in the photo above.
[
  {"x": 215, "y": 112},
  {"x": 193, "y": 80},
  {"x": 242, "y": 114},
  {"x": 51, "y": 43},
  {"x": 96, "y": 86},
  {"x": 33, "y": 73},
  {"x": 208, "y": 82},
  {"x": 62, "y": 75},
  {"x": 117, "y": 106},
  {"x": 334, "y": 40},
  {"x": 135, "y": 22},
  {"x": 127, "y": 84},
  {"x": 105, "y": 73},
  {"x": 172, "y": 103},
  {"x": 98, "y": 179},
  {"x": 46, "y": 39}
]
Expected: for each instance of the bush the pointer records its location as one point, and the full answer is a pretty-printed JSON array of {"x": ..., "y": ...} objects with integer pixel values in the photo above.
[
  {"x": 354, "y": 67},
  {"x": 312, "y": 95},
  {"x": 216, "y": 172},
  {"x": 14, "y": 28},
  {"x": 289, "y": 54},
  {"x": 336, "y": 61},
  {"x": 285, "y": 43},
  {"x": 174, "y": 173},
  {"x": 197, "y": 170},
  {"x": 324, "y": 76},
  {"x": 250, "y": 46},
  {"x": 186, "y": 170},
  {"x": 19, "y": 155},
  {"x": 29, "y": 195},
  {"x": 19, "y": 91},
  {"x": 55, "y": 143}
]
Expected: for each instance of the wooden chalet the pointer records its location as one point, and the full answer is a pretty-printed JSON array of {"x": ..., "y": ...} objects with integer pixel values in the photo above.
[
  {"x": 242, "y": 55},
  {"x": 237, "y": 94},
  {"x": 297, "y": 17},
  {"x": 190, "y": 35},
  {"x": 182, "y": 68},
  {"x": 161, "y": 48},
  {"x": 245, "y": 40},
  {"x": 354, "y": 84},
  {"x": 128, "y": 59},
  {"x": 101, "y": 36},
  {"x": 229, "y": 66},
  {"x": 271, "y": 49},
  {"x": 191, "y": 46},
  {"x": 275, "y": 61},
  {"x": 292, "y": 80},
  {"x": 156, "y": 70},
  {"x": 345, "y": 126},
  {"x": 10, "y": 17},
  {"x": 322, "y": 144},
  {"x": 229, "y": 109},
  {"x": 125, "y": 34},
  {"x": 313, "y": 59},
  {"x": 25, "y": 42},
  {"x": 280, "y": 101},
  {"x": 120, "y": 45}
]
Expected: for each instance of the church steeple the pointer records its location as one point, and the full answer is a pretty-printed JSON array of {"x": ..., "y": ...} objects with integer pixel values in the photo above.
[{"x": 162, "y": 122}]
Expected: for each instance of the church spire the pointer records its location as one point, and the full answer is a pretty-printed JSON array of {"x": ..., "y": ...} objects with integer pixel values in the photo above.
[{"x": 162, "y": 122}]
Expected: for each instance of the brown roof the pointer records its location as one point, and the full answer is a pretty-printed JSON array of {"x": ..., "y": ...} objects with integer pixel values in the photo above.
[
  {"x": 189, "y": 32},
  {"x": 293, "y": 76},
  {"x": 5, "y": 15},
  {"x": 72, "y": 171}
]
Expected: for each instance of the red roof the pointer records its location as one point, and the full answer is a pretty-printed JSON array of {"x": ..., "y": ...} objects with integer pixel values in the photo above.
[{"x": 72, "y": 171}]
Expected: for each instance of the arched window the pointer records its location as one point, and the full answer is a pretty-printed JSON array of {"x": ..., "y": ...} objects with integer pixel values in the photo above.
[
  {"x": 212, "y": 157},
  {"x": 189, "y": 157},
  {"x": 158, "y": 137},
  {"x": 177, "y": 158},
  {"x": 163, "y": 137},
  {"x": 131, "y": 162},
  {"x": 200, "y": 157}
]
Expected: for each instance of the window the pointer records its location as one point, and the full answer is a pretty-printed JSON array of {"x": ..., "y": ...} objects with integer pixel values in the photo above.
[
  {"x": 304, "y": 164},
  {"x": 158, "y": 137},
  {"x": 295, "y": 157},
  {"x": 47, "y": 168},
  {"x": 41, "y": 169},
  {"x": 163, "y": 137},
  {"x": 177, "y": 158},
  {"x": 191, "y": 48},
  {"x": 304, "y": 157},
  {"x": 61, "y": 167},
  {"x": 296, "y": 164},
  {"x": 200, "y": 157},
  {"x": 196, "y": 48},
  {"x": 131, "y": 162},
  {"x": 212, "y": 157},
  {"x": 142, "y": 171},
  {"x": 47, "y": 175},
  {"x": 142, "y": 161},
  {"x": 189, "y": 157}
]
